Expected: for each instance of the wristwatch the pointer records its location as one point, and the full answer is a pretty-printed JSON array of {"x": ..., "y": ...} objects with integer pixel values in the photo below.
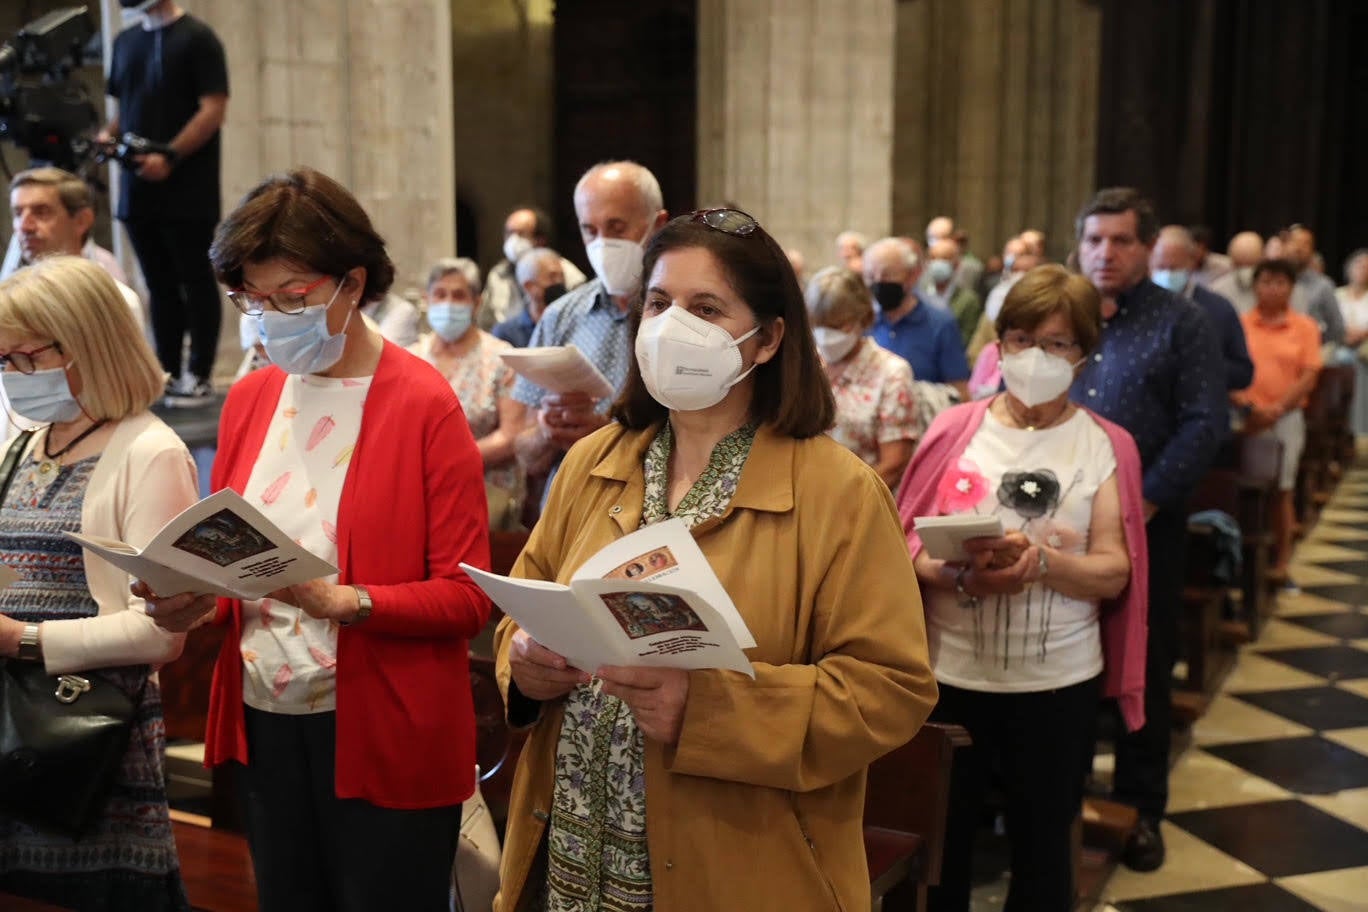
[
  {"x": 364, "y": 605},
  {"x": 30, "y": 645}
]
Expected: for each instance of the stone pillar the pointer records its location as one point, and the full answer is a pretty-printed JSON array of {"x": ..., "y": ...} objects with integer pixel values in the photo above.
[
  {"x": 504, "y": 124},
  {"x": 795, "y": 116},
  {"x": 359, "y": 89},
  {"x": 996, "y": 116}
]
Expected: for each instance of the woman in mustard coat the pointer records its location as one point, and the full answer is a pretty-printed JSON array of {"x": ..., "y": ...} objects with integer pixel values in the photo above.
[{"x": 645, "y": 788}]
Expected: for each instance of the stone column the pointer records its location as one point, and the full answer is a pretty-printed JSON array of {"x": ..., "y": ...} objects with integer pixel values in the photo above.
[
  {"x": 996, "y": 116},
  {"x": 359, "y": 89},
  {"x": 795, "y": 116},
  {"x": 504, "y": 124}
]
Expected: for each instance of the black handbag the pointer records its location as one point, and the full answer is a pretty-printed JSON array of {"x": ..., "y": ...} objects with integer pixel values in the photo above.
[{"x": 62, "y": 738}]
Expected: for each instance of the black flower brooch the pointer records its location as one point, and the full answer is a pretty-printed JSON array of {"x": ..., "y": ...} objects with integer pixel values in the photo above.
[{"x": 1030, "y": 494}]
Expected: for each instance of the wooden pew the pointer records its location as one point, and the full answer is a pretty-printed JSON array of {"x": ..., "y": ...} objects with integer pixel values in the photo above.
[
  {"x": 1244, "y": 487},
  {"x": 907, "y": 800},
  {"x": 1317, "y": 473},
  {"x": 496, "y": 745}
]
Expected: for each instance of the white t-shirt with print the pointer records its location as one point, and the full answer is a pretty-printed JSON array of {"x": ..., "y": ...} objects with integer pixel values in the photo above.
[
  {"x": 289, "y": 657},
  {"x": 1041, "y": 483}
]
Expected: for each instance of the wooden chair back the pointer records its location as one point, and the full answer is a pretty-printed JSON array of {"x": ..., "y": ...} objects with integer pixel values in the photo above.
[{"x": 909, "y": 790}]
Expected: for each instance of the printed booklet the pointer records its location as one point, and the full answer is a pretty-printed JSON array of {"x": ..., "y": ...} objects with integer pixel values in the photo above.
[
  {"x": 559, "y": 369},
  {"x": 943, "y": 537},
  {"x": 649, "y": 598},
  {"x": 221, "y": 545}
]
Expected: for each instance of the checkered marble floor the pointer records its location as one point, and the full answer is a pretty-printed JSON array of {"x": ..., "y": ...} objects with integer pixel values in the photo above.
[{"x": 1269, "y": 802}]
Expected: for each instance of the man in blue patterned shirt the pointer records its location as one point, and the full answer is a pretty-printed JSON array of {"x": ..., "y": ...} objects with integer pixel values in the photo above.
[
  {"x": 1157, "y": 372},
  {"x": 619, "y": 208}
]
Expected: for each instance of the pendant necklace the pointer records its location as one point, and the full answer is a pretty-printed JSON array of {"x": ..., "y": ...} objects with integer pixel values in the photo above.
[{"x": 51, "y": 463}]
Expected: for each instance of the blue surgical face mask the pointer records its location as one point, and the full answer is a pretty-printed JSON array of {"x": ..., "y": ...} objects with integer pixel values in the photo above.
[
  {"x": 1175, "y": 280},
  {"x": 450, "y": 321},
  {"x": 941, "y": 271},
  {"x": 43, "y": 396},
  {"x": 300, "y": 343}
]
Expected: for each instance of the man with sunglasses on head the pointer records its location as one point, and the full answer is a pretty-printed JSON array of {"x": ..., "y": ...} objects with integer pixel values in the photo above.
[
  {"x": 169, "y": 76},
  {"x": 619, "y": 208}
]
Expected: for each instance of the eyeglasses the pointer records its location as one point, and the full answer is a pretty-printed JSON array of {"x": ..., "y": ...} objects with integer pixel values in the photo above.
[
  {"x": 286, "y": 300},
  {"x": 26, "y": 362},
  {"x": 1016, "y": 340},
  {"x": 728, "y": 221}
]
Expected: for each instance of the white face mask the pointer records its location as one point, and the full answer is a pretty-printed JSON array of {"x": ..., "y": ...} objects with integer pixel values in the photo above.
[
  {"x": 617, "y": 261},
  {"x": 834, "y": 344},
  {"x": 686, "y": 362},
  {"x": 515, "y": 245},
  {"x": 1035, "y": 377}
]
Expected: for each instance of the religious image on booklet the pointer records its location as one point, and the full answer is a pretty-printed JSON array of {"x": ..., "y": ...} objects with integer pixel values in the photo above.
[
  {"x": 616, "y": 610},
  {"x": 224, "y": 538},
  {"x": 221, "y": 545}
]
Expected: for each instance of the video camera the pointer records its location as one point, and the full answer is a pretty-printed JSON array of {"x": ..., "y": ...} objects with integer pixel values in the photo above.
[{"x": 42, "y": 110}]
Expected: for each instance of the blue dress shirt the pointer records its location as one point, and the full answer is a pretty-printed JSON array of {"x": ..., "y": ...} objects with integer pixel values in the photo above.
[
  {"x": 1239, "y": 369},
  {"x": 586, "y": 318},
  {"x": 516, "y": 330},
  {"x": 929, "y": 339},
  {"x": 1158, "y": 372}
]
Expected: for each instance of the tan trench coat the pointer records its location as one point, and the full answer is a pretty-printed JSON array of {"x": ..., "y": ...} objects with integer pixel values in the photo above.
[{"x": 759, "y": 805}]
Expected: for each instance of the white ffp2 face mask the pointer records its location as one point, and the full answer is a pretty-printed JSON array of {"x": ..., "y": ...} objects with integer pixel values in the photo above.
[
  {"x": 617, "y": 261},
  {"x": 1034, "y": 377},
  {"x": 514, "y": 246},
  {"x": 833, "y": 344},
  {"x": 686, "y": 362}
]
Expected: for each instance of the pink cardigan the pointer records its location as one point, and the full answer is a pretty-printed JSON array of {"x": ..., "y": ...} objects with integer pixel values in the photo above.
[{"x": 1123, "y": 620}]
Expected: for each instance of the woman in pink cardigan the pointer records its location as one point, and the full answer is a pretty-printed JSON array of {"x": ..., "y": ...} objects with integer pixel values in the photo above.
[{"x": 1029, "y": 630}]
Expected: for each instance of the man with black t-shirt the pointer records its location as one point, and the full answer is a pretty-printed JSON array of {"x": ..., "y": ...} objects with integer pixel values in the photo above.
[{"x": 170, "y": 78}]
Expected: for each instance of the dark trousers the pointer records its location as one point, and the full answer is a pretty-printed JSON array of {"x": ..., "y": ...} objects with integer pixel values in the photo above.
[
  {"x": 314, "y": 852},
  {"x": 174, "y": 257},
  {"x": 1038, "y": 745},
  {"x": 1142, "y": 757}
]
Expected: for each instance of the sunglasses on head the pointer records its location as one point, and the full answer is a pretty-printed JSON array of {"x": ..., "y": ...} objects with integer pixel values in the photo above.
[{"x": 728, "y": 221}]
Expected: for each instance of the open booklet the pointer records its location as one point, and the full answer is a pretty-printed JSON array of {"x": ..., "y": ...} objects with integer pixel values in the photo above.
[
  {"x": 649, "y": 598},
  {"x": 943, "y": 537},
  {"x": 221, "y": 545},
  {"x": 559, "y": 369}
]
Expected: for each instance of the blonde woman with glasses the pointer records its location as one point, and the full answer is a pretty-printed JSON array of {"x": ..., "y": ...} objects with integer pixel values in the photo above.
[{"x": 99, "y": 463}]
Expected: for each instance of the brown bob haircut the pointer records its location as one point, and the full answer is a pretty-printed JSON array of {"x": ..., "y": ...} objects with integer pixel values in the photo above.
[
  {"x": 1046, "y": 291},
  {"x": 792, "y": 393},
  {"x": 307, "y": 219}
]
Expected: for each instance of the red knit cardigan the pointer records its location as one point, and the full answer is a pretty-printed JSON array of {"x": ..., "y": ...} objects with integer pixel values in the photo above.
[{"x": 412, "y": 509}]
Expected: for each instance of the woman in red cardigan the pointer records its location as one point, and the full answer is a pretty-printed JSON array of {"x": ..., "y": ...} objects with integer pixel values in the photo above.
[{"x": 345, "y": 702}]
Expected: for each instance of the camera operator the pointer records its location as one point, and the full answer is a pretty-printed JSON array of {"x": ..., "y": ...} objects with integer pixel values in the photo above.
[{"x": 170, "y": 78}]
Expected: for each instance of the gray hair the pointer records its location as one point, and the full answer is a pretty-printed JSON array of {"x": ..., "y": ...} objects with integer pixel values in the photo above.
[
  {"x": 894, "y": 243},
  {"x": 529, "y": 264},
  {"x": 860, "y": 240},
  {"x": 648, "y": 188},
  {"x": 464, "y": 265},
  {"x": 1178, "y": 234},
  {"x": 837, "y": 295}
]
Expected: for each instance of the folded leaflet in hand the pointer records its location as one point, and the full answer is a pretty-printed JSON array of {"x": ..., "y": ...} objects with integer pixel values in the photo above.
[
  {"x": 943, "y": 537},
  {"x": 222, "y": 545},
  {"x": 559, "y": 369},
  {"x": 649, "y": 598}
]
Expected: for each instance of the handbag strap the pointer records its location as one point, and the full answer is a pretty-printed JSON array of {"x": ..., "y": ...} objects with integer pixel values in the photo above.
[{"x": 11, "y": 463}]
